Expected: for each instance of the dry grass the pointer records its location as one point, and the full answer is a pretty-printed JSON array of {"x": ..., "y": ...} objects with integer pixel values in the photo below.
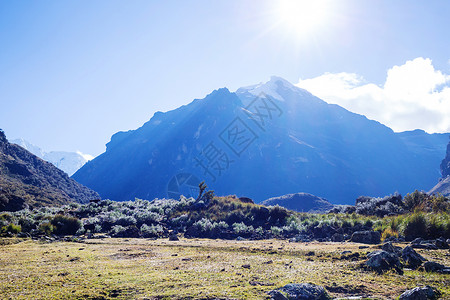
[{"x": 194, "y": 269}]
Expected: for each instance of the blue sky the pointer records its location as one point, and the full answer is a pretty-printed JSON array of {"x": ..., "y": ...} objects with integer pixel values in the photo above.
[{"x": 72, "y": 73}]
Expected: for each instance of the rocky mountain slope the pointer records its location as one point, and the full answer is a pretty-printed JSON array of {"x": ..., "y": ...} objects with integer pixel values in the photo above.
[
  {"x": 28, "y": 181},
  {"x": 301, "y": 202},
  {"x": 443, "y": 187},
  {"x": 69, "y": 162},
  {"x": 264, "y": 141}
]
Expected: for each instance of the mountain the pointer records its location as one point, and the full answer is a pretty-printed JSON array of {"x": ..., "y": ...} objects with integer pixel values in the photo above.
[
  {"x": 69, "y": 162},
  {"x": 301, "y": 202},
  {"x": 28, "y": 181},
  {"x": 263, "y": 141},
  {"x": 443, "y": 186}
]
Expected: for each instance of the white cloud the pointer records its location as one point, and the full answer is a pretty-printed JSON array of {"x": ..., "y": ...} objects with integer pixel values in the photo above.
[{"x": 414, "y": 96}]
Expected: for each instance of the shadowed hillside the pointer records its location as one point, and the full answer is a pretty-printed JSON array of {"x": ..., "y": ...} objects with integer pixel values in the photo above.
[{"x": 28, "y": 181}]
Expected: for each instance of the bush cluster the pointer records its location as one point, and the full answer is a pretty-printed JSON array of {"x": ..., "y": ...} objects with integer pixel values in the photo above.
[{"x": 417, "y": 215}]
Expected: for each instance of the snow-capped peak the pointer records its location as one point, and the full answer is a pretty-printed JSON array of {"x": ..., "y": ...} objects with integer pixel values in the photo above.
[
  {"x": 271, "y": 88},
  {"x": 69, "y": 162}
]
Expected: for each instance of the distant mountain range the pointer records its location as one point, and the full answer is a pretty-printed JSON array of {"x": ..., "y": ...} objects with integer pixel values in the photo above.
[
  {"x": 69, "y": 162},
  {"x": 28, "y": 181},
  {"x": 264, "y": 141}
]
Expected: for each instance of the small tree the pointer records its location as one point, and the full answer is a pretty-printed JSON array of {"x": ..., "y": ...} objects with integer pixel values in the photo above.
[{"x": 202, "y": 195}]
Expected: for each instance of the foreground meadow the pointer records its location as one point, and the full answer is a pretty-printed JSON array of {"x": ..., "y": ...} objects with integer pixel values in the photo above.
[{"x": 196, "y": 269}]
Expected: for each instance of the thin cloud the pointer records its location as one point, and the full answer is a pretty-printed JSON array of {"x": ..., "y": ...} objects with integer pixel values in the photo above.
[{"x": 414, "y": 96}]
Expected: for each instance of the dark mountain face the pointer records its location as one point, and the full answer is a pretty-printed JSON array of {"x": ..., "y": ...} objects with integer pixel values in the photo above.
[
  {"x": 445, "y": 165},
  {"x": 261, "y": 142},
  {"x": 28, "y": 181}
]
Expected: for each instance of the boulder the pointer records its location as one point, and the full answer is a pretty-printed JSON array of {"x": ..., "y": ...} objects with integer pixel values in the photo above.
[
  {"x": 422, "y": 244},
  {"x": 411, "y": 258},
  {"x": 441, "y": 243},
  {"x": 380, "y": 261},
  {"x": 366, "y": 237},
  {"x": 299, "y": 291},
  {"x": 420, "y": 293},
  {"x": 173, "y": 237},
  {"x": 431, "y": 266},
  {"x": 388, "y": 247}
]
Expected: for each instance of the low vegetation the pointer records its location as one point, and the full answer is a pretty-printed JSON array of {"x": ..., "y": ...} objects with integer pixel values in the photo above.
[{"x": 416, "y": 215}]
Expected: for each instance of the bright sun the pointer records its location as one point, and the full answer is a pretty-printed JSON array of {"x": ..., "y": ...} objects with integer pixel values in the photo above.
[{"x": 301, "y": 17}]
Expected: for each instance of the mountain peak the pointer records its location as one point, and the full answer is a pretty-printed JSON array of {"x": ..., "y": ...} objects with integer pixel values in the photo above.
[{"x": 275, "y": 88}]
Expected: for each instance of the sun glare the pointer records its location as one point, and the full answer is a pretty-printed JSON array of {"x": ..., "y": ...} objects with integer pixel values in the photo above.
[{"x": 301, "y": 17}]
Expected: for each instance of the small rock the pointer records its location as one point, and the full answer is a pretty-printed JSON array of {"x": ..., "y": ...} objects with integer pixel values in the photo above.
[
  {"x": 441, "y": 243},
  {"x": 412, "y": 259},
  {"x": 173, "y": 237},
  {"x": 420, "y": 293},
  {"x": 381, "y": 261},
  {"x": 299, "y": 291},
  {"x": 431, "y": 266},
  {"x": 388, "y": 247},
  {"x": 246, "y": 266}
]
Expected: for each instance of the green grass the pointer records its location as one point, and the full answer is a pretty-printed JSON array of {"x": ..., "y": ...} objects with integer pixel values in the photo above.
[{"x": 193, "y": 269}]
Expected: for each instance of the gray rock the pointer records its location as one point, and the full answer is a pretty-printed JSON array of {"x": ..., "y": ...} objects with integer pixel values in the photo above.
[
  {"x": 441, "y": 243},
  {"x": 422, "y": 244},
  {"x": 431, "y": 266},
  {"x": 381, "y": 261},
  {"x": 388, "y": 247},
  {"x": 420, "y": 293},
  {"x": 303, "y": 291},
  {"x": 411, "y": 258},
  {"x": 366, "y": 237},
  {"x": 173, "y": 237}
]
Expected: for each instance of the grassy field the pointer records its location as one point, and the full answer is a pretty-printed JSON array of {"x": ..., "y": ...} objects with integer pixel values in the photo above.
[{"x": 196, "y": 269}]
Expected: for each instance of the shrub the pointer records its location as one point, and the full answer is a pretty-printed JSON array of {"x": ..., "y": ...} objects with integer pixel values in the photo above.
[
  {"x": 66, "y": 225},
  {"x": 416, "y": 200},
  {"x": 241, "y": 228},
  {"x": 388, "y": 232},
  {"x": 151, "y": 231},
  {"x": 117, "y": 231},
  {"x": 11, "y": 228},
  {"x": 415, "y": 226},
  {"x": 46, "y": 227}
]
